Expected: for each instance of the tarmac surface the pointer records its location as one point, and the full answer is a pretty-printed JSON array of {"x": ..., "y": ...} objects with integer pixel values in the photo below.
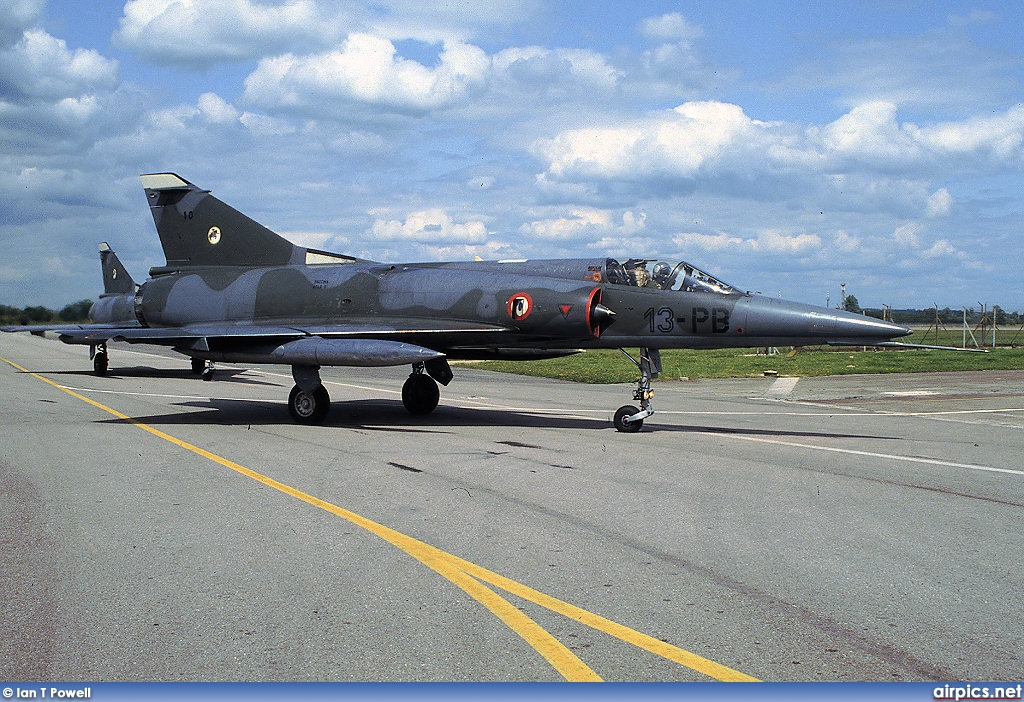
[{"x": 157, "y": 527}]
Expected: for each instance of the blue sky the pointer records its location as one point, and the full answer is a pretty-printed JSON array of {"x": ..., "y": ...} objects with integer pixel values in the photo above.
[{"x": 785, "y": 147}]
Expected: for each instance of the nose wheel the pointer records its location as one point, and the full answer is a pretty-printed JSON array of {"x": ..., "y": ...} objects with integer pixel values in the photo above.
[
  {"x": 623, "y": 421},
  {"x": 629, "y": 418},
  {"x": 99, "y": 360}
]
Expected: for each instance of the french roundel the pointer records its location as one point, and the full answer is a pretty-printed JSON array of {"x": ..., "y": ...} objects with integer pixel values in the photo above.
[{"x": 519, "y": 306}]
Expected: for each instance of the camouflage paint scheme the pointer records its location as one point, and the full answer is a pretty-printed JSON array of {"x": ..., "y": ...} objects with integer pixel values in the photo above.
[{"x": 233, "y": 290}]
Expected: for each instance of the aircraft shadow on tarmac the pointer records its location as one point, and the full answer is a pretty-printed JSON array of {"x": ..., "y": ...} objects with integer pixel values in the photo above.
[
  {"x": 226, "y": 375},
  {"x": 391, "y": 416}
]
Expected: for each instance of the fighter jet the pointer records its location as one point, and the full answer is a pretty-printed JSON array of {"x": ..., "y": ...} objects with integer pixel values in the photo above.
[{"x": 232, "y": 290}]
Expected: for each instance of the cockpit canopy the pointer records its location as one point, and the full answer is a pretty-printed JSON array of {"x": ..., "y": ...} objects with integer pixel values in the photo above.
[{"x": 664, "y": 275}]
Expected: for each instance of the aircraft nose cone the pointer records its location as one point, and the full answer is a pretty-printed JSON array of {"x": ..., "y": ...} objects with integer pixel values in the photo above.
[
  {"x": 807, "y": 324},
  {"x": 858, "y": 327}
]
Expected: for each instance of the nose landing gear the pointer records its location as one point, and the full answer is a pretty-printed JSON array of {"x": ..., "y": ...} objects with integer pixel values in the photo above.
[
  {"x": 629, "y": 418},
  {"x": 99, "y": 359}
]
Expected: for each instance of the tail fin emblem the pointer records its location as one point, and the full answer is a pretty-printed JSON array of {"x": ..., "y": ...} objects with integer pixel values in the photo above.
[{"x": 213, "y": 236}]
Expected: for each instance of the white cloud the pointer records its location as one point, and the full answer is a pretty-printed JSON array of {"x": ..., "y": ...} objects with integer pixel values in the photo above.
[
  {"x": 584, "y": 222},
  {"x": 488, "y": 250},
  {"x": 720, "y": 138},
  {"x": 55, "y": 98},
  {"x": 845, "y": 242},
  {"x": 204, "y": 31},
  {"x": 940, "y": 204},
  {"x": 432, "y": 226},
  {"x": 310, "y": 240},
  {"x": 872, "y": 134},
  {"x": 670, "y": 27},
  {"x": 708, "y": 242},
  {"x": 366, "y": 70},
  {"x": 200, "y": 33},
  {"x": 266, "y": 126},
  {"x": 769, "y": 241},
  {"x": 869, "y": 131},
  {"x": 939, "y": 249},
  {"x": 999, "y": 137},
  {"x": 41, "y": 66},
  {"x": 775, "y": 241},
  {"x": 16, "y": 16},
  {"x": 865, "y": 161},
  {"x": 676, "y": 144},
  {"x": 210, "y": 110},
  {"x": 542, "y": 68},
  {"x": 12, "y": 274},
  {"x": 216, "y": 109},
  {"x": 908, "y": 236},
  {"x": 633, "y": 223},
  {"x": 437, "y": 21}
]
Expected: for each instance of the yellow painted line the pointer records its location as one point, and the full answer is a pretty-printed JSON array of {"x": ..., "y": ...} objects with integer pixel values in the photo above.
[
  {"x": 623, "y": 633},
  {"x": 464, "y": 574}
]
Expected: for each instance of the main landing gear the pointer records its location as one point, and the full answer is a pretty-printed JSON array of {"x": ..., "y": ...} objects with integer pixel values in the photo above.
[
  {"x": 309, "y": 402},
  {"x": 629, "y": 418},
  {"x": 420, "y": 393}
]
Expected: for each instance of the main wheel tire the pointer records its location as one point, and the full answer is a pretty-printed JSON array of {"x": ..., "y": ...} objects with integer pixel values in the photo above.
[
  {"x": 420, "y": 394},
  {"x": 309, "y": 407},
  {"x": 620, "y": 419},
  {"x": 99, "y": 363},
  {"x": 198, "y": 366}
]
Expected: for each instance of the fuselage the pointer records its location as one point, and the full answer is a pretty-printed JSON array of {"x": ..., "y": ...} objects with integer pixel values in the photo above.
[{"x": 548, "y": 305}]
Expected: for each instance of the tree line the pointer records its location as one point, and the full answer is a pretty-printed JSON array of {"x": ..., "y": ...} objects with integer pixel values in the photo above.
[
  {"x": 75, "y": 312},
  {"x": 944, "y": 315},
  {"x": 950, "y": 317}
]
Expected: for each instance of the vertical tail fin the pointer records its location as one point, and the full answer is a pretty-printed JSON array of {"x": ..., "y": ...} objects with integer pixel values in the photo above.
[
  {"x": 116, "y": 279},
  {"x": 197, "y": 229}
]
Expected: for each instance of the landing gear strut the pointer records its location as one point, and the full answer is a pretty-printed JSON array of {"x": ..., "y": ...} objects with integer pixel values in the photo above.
[
  {"x": 99, "y": 359},
  {"x": 420, "y": 393},
  {"x": 309, "y": 401},
  {"x": 629, "y": 418}
]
